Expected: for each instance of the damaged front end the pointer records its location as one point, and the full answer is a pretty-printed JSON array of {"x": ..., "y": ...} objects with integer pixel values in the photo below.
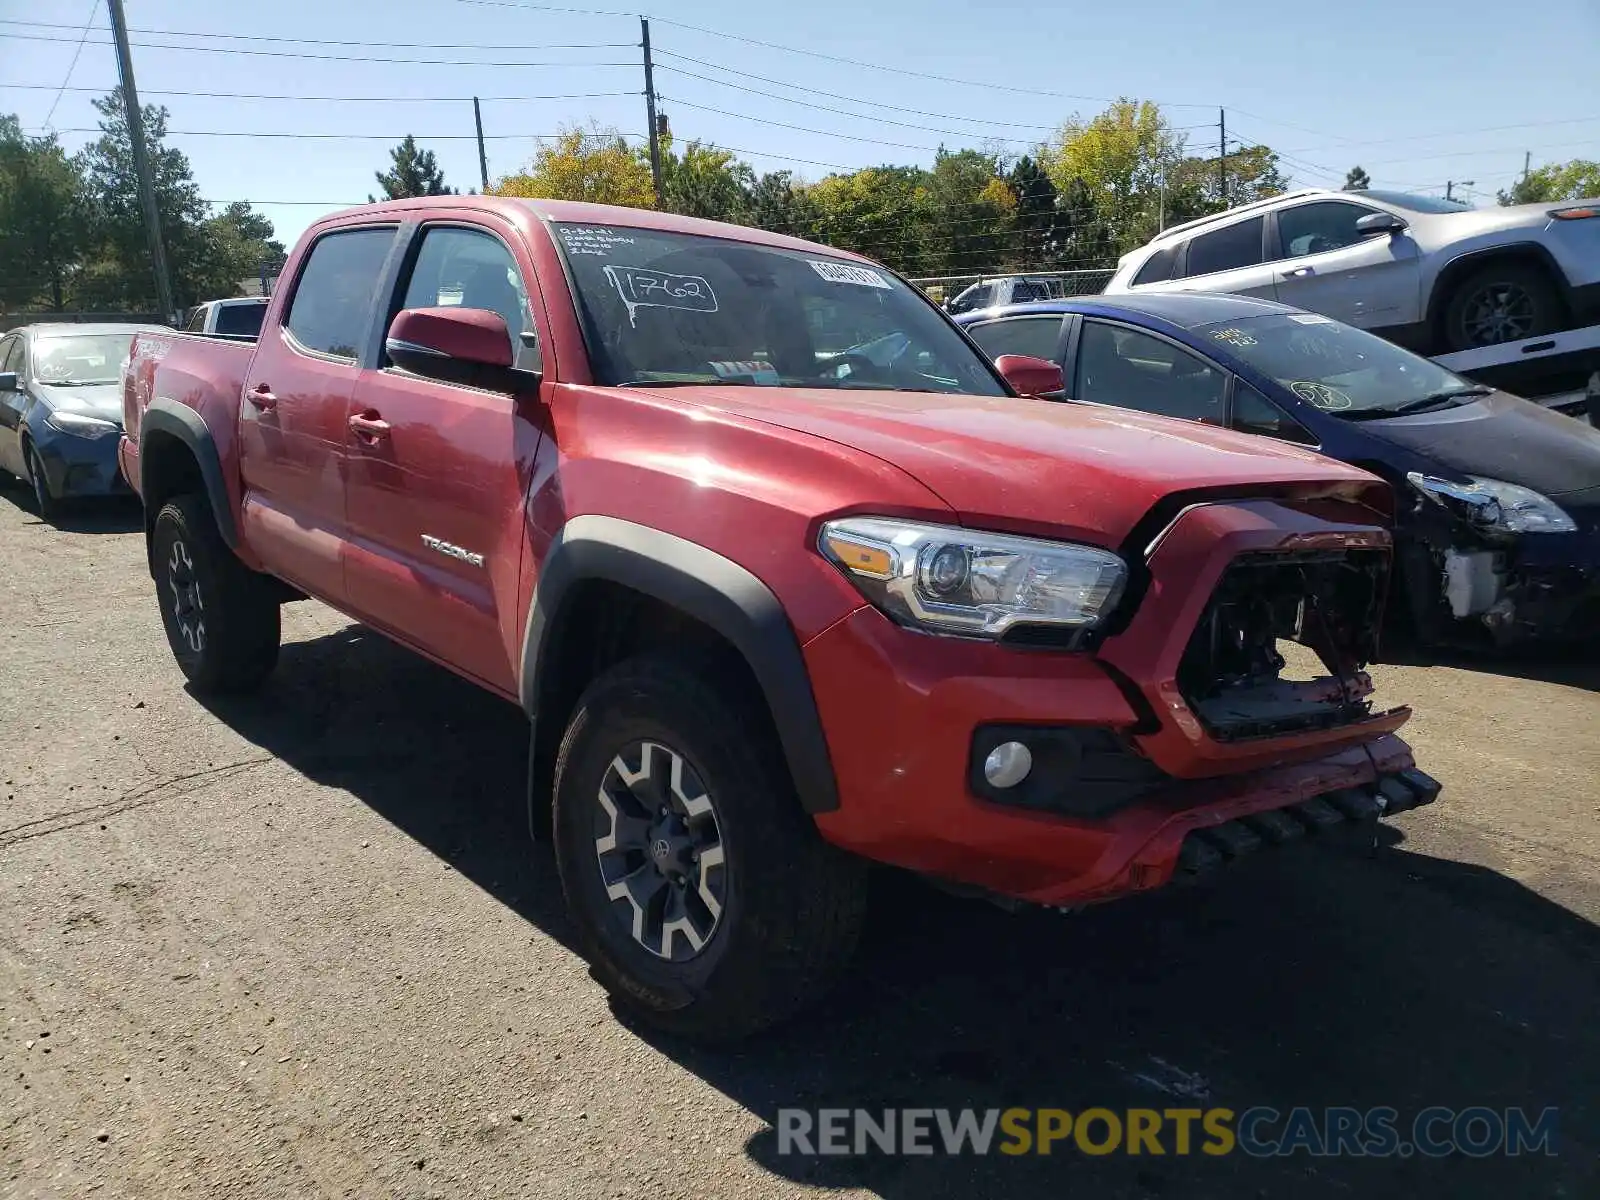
[
  {"x": 1491, "y": 561},
  {"x": 1233, "y": 670}
]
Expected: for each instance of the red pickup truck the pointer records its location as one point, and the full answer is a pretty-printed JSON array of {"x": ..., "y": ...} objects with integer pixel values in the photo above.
[{"x": 784, "y": 573}]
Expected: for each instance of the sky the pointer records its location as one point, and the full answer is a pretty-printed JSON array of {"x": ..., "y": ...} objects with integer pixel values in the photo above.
[{"x": 1418, "y": 92}]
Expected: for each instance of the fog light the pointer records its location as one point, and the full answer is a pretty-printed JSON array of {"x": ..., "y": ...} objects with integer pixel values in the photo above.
[{"x": 1008, "y": 764}]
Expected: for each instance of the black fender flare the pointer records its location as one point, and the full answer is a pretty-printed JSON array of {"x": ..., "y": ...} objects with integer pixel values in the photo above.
[
  {"x": 169, "y": 418},
  {"x": 714, "y": 590}
]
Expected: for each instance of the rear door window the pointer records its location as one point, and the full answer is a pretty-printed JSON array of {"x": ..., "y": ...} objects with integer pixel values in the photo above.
[
  {"x": 332, "y": 305},
  {"x": 1158, "y": 267},
  {"x": 1226, "y": 249},
  {"x": 1038, "y": 336}
]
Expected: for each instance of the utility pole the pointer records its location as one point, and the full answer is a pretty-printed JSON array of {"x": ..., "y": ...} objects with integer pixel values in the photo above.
[
  {"x": 1527, "y": 164},
  {"x": 1451, "y": 185},
  {"x": 1222, "y": 155},
  {"x": 483, "y": 159},
  {"x": 141, "y": 162},
  {"x": 650, "y": 111}
]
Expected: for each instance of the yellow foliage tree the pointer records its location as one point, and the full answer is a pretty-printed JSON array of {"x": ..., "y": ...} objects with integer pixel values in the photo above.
[{"x": 594, "y": 164}]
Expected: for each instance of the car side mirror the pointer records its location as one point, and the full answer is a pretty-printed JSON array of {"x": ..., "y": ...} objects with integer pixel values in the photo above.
[
  {"x": 1379, "y": 223},
  {"x": 1031, "y": 376},
  {"x": 8, "y": 381},
  {"x": 471, "y": 346}
]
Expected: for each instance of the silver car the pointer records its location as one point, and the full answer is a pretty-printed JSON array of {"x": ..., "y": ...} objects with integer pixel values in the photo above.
[{"x": 1424, "y": 272}]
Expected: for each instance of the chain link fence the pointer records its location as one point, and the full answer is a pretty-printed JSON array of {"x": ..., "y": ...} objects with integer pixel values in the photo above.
[{"x": 1016, "y": 286}]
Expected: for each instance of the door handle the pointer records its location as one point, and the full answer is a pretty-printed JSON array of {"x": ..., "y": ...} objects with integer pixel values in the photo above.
[
  {"x": 262, "y": 397},
  {"x": 370, "y": 427},
  {"x": 1299, "y": 273}
]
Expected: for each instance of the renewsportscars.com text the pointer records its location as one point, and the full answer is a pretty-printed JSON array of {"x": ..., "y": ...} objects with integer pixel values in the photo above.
[{"x": 1262, "y": 1132}]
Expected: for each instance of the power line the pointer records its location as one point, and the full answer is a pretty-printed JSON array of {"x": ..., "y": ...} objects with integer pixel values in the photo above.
[
  {"x": 338, "y": 99},
  {"x": 94, "y": 6},
  {"x": 255, "y": 37},
  {"x": 803, "y": 129},
  {"x": 375, "y": 137},
  {"x": 432, "y": 62}
]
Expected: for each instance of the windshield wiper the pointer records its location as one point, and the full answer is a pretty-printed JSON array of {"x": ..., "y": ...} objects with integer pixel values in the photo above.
[
  {"x": 76, "y": 382},
  {"x": 1435, "y": 400}
]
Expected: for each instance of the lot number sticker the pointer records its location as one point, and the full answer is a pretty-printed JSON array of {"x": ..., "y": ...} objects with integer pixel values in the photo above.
[{"x": 845, "y": 273}]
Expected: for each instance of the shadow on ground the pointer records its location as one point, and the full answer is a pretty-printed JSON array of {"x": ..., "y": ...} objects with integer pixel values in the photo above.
[
  {"x": 1569, "y": 664},
  {"x": 1318, "y": 978},
  {"x": 109, "y": 514}
]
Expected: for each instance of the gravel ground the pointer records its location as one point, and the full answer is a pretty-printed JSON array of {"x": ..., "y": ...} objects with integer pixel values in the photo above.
[{"x": 298, "y": 946}]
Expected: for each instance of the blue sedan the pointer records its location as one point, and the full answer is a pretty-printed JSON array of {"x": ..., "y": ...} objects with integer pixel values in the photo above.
[
  {"x": 61, "y": 409},
  {"x": 1498, "y": 509}
]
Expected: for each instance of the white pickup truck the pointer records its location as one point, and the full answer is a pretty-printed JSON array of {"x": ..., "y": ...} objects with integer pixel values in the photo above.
[{"x": 239, "y": 317}]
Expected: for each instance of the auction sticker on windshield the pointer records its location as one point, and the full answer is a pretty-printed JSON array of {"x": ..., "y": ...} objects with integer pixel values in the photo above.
[
  {"x": 846, "y": 273},
  {"x": 641, "y": 287}
]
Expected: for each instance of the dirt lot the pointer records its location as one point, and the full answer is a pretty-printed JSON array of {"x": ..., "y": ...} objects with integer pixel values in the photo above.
[{"x": 299, "y": 946}]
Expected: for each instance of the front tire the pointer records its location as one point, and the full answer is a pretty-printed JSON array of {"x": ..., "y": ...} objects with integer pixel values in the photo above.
[
  {"x": 43, "y": 498},
  {"x": 1505, "y": 302},
  {"x": 221, "y": 620},
  {"x": 704, "y": 898}
]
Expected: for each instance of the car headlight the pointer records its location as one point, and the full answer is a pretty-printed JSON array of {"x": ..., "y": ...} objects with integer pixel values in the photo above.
[
  {"x": 80, "y": 424},
  {"x": 945, "y": 579},
  {"x": 1495, "y": 504}
]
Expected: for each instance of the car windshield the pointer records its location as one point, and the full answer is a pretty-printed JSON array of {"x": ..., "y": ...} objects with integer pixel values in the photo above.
[
  {"x": 1340, "y": 370},
  {"x": 663, "y": 308},
  {"x": 1419, "y": 204},
  {"x": 80, "y": 358}
]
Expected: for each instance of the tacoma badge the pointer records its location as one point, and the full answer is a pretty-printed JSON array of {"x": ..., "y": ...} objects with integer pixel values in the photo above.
[{"x": 466, "y": 556}]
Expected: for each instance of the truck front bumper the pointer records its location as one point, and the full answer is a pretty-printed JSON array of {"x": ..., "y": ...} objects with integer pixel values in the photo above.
[{"x": 908, "y": 718}]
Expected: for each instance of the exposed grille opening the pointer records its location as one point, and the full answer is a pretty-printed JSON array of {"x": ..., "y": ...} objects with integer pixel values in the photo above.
[{"x": 1328, "y": 604}]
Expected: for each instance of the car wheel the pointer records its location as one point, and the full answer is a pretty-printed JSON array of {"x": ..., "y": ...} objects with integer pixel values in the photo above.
[
  {"x": 221, "y": 620},
  {"x": 704, "y": 898},
  {"x": 43, "y": 498},
  {"x": 1502, "y": 303}
]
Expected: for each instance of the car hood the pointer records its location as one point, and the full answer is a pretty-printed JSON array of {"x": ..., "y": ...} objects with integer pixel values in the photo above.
[
  {"x": 1504, "y": 437},
  {"x": 103, "y": 400},
  {"x": 1470, "y": 222},
  {"x": 1034, "y": 465}
]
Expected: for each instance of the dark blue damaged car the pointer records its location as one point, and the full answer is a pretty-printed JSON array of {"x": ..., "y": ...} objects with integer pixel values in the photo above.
[
  {"x": 1497, "y": 498},
  {"x": 61, "y": 409}
]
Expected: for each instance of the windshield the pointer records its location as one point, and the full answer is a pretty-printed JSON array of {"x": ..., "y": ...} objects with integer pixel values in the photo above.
[
  {"x": 1421, "y": 204},
  {"x": 1340, "y": 370},
  {"x": 81, "y": 358},
  {"x": 669, "y": 308},
  {"x": 241, "y": 320}
]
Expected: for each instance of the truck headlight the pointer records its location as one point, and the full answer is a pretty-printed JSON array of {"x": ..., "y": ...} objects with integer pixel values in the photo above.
[
  {"x": 945, "y": 579},
  {"x": 1495, "y": 504},
  {"x": 80, "y": 424}
]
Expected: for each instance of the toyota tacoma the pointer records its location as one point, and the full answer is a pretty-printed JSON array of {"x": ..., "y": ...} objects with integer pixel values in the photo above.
[{"x": 785, "y": 574}]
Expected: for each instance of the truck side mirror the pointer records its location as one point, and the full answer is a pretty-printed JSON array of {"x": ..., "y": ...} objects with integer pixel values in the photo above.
[
  {"x": 1031, "y": 376},
  {"x": 457, "y": 345}
]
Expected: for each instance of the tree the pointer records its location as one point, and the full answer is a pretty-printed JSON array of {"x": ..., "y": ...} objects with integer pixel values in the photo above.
[
  {"x": 774, "y": 202},
  {"x": 44, "y": 220},
  {"x": 1122, "y": 158},
  {"x": 1575, "y": 180},
  {"x": 874, "y": 212},
  {"x": 704, "y": 182},
  {"x": 412, "y": 172},
  {"x": 965, "y": 211},
  {"x": 1357, "y": 180},
  {"x": 596, "y": 164},
  {"x": 1034, "y": 216}
]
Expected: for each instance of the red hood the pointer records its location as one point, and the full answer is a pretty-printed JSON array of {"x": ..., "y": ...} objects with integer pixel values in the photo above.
[{"x": 1033, "y": 465}]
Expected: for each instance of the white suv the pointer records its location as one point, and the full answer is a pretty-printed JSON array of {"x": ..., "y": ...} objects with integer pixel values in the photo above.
[{"x": 1424, "y": 272}]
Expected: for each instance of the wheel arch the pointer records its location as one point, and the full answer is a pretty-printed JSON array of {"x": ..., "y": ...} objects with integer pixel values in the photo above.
[
  {"x": 719, "y": 599},
  {"x": 1462, "y": 265},
  {"x": 176, "y": 454}
]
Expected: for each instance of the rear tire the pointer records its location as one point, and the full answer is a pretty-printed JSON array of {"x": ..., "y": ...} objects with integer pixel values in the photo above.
[
  {"x": 698, "y": 815},
  {"x": 1504, "y": 302},
  {"x": 221, "y": 618}
]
